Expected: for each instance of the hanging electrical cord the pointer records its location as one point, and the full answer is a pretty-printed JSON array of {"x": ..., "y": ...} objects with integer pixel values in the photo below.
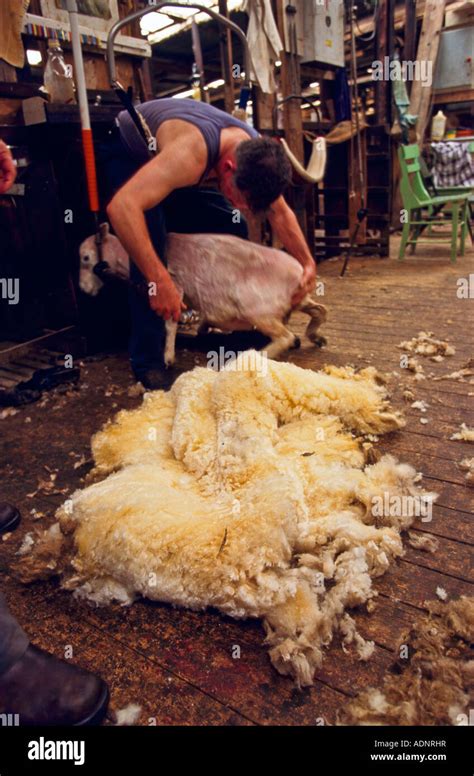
[
  {"x": 356, "y": 104},
  {"x": 294, "y": 78},
  {"x": 371, "y": 35},
  {"x": 362, "y": 212}
]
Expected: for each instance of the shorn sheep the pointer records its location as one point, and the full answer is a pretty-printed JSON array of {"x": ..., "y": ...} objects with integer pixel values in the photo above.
[{"x": 234, "y": 284}]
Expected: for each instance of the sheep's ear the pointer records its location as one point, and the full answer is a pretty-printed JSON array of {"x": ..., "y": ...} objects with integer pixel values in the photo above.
[{"x": 104, "y": 229}]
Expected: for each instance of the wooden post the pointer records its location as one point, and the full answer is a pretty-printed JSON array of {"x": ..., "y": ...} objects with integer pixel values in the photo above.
[
  {"x": 381, "y": 86},
  {"x": 391, "y": 54},
  {"x": 385, "y": 47},
  {"x": 420, "y": 97},
  {"x": 7, "y": 72},
  {"x": 225, "y": 46},
  {"x": 409, "y": 49},
  {"x": 292, "y": 120},
  {"x": 143, "y": 72},
  {"x": 355, "y": 201},
  {"x": 263, "y": 105}
]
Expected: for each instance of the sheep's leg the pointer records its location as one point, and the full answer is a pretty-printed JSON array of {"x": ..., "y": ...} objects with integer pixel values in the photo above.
[
  {"x": 203, "y": 327},
  {"x": 171, "y": 328},
  {"x": 286, "y": 319},
  {"x": 282, "y": 338},
  {"x": 318, "y": 314}
]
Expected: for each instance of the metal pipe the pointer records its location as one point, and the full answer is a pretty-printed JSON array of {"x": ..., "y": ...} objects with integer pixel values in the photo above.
[
  {"x": 87, "y": 142},
  {"x": 155, "y": 7},
  {"x": 79, "y": 77}
]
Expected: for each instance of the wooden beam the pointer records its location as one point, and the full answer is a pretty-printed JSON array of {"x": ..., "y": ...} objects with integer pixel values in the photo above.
[
  {"x": 449, "y": 96},
  {"x": 381, "y": 86},
  {"x": 365, "y": 25},
  {"x": 292, "y": 120},
  {"x": 355, "y": 196},
  {"x": 263, "y": 109},
  {"x": 226, "y": 55},
  {"x": 420, "y": 98},
  {"x": 391, "y": 54},
  {"x": 144, "y": 79},
  {"x": 7, "y": 72},
  {"x": 292, "y": 115},
  {"x": 409, "y": 49}
]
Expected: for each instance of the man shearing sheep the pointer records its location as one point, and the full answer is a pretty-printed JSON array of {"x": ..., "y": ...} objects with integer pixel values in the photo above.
[{"x": 196, "y": 144}]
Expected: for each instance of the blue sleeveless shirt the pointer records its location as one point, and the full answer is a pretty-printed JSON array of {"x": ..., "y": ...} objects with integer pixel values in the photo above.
[{"x": 209, "y": 120}]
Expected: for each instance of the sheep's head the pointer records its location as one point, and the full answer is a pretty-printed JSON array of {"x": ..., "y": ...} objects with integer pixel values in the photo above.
[
  {"x": 89, "y": 282},
  {"x": 113, "y": 254}
]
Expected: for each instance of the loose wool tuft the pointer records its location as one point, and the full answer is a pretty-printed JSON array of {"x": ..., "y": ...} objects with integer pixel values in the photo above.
[
  {"x": 247, "y": 490},
  {"x": 433, "y": 683}
]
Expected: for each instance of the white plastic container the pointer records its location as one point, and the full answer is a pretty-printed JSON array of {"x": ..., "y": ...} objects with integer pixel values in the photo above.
[
  {"x": 438, "y": 126},
  {"x": 58, "y": 80}
]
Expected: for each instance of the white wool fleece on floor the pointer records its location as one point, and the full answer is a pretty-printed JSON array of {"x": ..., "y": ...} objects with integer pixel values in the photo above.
[{"x": 248, "y": 492}]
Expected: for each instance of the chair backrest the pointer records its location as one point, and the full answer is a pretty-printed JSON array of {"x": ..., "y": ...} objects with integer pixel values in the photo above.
[
  {"x": 411, "y": 155},
  {"x": 412, "y": 187}
]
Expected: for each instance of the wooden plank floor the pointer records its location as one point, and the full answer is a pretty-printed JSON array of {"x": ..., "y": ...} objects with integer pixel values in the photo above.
[{"x": 178, "y": 665}]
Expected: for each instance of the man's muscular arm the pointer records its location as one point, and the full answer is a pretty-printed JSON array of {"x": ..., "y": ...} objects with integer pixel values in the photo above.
[
  {"x": 177, "y": 165},
  {"x": 7, "y": 168},
  {"x": 288, "y": 230}
]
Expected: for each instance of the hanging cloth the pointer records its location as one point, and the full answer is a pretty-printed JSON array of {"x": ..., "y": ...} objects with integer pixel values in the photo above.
[
  {"x": 264, "y": 43},
  {"x": 342, "y": 97},
  {"x": 402, "y": 100},
  {"x": 345, "y": 130},
  {"x": 12, "y": 13},
  {"x": 453, "y": 165}
]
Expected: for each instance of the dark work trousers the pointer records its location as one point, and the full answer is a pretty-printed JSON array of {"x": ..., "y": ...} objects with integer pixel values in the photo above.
[
  {"x": 13, "y": 640},
  {"x": 190, "y": 211}
]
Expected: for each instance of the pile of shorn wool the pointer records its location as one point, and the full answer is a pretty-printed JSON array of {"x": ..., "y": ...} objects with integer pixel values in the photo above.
[{"x": 249, "y": 490}]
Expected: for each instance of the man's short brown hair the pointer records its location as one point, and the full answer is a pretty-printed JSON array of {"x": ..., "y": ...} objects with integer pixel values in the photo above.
[{"x": 263, "y": 171}]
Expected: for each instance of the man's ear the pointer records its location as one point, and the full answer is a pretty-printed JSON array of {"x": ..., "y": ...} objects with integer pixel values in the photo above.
[{"x": 230, "y": 165}]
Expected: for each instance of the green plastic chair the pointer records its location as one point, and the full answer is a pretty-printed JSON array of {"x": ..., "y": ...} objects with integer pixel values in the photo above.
[{"x": 416, "y": 198}]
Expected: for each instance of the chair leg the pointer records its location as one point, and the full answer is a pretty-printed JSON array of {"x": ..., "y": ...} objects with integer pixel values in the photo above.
[
  {"x": 465, "y": 218},
  {"x": 405, "y": 236},
  {"x": 454, "y": 233},
  {"x": 430, "y": 214},
  {"x": 416, "y": 231}
]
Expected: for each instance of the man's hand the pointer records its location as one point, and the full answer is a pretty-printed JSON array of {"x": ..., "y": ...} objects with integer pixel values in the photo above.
[
  {"x": 286, "y": 226},
  {"x": 306, "y": 285},
  {"x": 167, "y": 302},
  {"x": 7, "y": 168}
]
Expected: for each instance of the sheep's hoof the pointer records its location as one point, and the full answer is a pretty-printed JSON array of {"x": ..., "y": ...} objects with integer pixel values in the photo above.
[{"x": 319, "y": 341}]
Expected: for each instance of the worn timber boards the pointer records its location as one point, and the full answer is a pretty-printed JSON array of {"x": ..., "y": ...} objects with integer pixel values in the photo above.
[{"x": 177, "y": 664}]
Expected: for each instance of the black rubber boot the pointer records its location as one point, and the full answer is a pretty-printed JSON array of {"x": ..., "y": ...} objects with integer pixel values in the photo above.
[
  {"x": 44, "y": 690},
  {"x": 9, "y": 517},
  {"x": 159, "y": 379}
]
